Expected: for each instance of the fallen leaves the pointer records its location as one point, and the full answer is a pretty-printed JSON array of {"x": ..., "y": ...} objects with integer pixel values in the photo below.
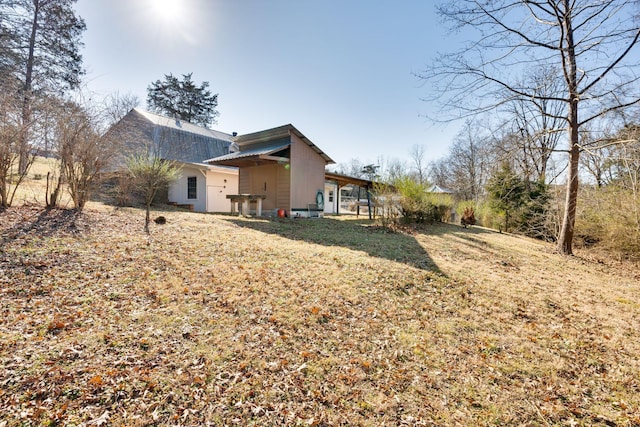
[{"x": 231, "y": 321}]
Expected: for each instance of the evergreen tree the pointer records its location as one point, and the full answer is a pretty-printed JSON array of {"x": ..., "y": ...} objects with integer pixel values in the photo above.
[
  {"x": 183, "y": 99},
  {"x": 40, "y": 43},
  {"x": 506, "y": 192},
  {"x": 524, "y": 204}
]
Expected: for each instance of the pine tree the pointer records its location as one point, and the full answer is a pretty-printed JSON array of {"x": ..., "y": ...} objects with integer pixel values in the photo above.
[{"x": 183, "y": 99}]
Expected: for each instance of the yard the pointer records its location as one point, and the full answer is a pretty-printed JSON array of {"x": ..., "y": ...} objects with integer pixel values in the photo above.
[{"x": 220, "y": 320}]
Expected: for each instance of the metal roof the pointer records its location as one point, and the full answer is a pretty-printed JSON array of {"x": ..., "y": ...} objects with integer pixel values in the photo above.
[
  {"x": 437, "y": 189},
  {"x": 182, "y": 125},
  {"x": 263, "y": 150},
  {"x": 278, "y": 133},
  {"x": 172, "y": 139}
]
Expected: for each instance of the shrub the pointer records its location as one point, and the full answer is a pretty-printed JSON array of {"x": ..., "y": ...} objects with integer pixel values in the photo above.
[
  {"x": 407, "y": 201},
  {"x": 468, "y": 217},
  {"x": 609, "y": 219}
]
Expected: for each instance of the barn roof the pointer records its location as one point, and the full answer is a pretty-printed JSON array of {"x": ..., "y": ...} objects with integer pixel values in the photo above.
[
  {"x": 182, "y": 125},
  {"x": 173, "y": 139}
]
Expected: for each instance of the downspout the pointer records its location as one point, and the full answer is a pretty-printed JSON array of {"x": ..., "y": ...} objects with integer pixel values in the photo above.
[{"x": 206, "y": 191}]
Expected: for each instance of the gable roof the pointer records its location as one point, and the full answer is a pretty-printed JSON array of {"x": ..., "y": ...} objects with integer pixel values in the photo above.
[
  {"x": 437, "y": 189},
  {"x": 171, "y": 139},
  {"x": 260, "y": 145}
]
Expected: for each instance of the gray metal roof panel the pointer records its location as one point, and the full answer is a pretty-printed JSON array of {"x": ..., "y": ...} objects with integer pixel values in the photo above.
[
  {"x": 263, "y": 150},
  {"x": 183, "y": 125}
]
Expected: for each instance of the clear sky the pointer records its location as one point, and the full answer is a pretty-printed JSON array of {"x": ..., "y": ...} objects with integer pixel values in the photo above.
[{"x": 341, "y": 71}]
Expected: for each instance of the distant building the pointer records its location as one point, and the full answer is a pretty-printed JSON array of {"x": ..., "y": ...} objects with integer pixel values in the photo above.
[{"x": 437, "y": 189}]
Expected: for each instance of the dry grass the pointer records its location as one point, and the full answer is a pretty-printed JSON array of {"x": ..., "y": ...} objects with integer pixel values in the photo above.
[{"x": 219, "y": 320}]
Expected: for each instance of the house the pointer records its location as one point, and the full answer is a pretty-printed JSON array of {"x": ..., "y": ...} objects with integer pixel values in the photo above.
[
  {"x": 282, "y": 165},
  {"x": 202, "y": 187},
  {"x": 438, "y": 190}
]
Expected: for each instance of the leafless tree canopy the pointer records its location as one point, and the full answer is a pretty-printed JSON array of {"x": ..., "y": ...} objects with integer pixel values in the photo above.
[
  {"x": 511, "y": 38},
  {"x": 583, "y": 45}
]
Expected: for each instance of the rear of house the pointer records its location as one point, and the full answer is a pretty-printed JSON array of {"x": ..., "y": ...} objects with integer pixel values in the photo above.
[{"x": 281, "y": 164}]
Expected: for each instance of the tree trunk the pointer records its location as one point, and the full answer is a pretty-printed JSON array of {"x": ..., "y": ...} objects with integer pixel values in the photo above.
[
  {"x": 565, "y": 239},
  {"x": 23, "y": 162},
  {"x": 147, "y": 219}
]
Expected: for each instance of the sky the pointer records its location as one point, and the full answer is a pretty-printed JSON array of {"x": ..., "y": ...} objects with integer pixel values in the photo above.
[{"x": 341, "y": 71}]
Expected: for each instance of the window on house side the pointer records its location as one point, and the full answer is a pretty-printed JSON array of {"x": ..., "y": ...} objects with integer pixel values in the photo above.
[{"x": 192, "y": 189}]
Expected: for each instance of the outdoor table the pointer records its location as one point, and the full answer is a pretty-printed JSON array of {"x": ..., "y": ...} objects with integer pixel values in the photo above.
[{"x": 243, "y": 201}]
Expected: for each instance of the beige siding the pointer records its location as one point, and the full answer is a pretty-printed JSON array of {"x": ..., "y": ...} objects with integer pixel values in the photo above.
[
  {"x": 244, "y": 186},
  {"x": 307, "y": 174},
  {"x": 264, "y": 182},
  {"x": 271, "y": 180},
  {"x": 219, "y": 185},
  {"x": 283, "y": 199}
]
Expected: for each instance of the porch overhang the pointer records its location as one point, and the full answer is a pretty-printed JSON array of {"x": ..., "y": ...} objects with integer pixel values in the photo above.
[
  {"x": 250, "y": 161},
  {"x": 267, "y": 154}
]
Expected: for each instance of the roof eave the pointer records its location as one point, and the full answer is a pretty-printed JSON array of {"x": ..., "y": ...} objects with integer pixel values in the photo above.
[{"x": 280, "y": 132}]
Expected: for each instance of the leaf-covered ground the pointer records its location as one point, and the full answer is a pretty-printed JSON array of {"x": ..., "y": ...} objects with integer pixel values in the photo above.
[{"x": 220, "y": 320}]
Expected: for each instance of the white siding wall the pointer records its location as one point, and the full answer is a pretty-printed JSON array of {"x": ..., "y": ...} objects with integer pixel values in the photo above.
[
  {"x": 217, "y": 183},
  {"x": 178, "y": 190}
]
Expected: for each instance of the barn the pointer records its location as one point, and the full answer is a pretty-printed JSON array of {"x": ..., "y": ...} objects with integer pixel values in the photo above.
[{"x": 201, "y": 187}]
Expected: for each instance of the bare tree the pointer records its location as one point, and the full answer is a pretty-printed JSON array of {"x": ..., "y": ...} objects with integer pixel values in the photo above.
[
  {"x": 440, "y": 173},
  {"x": 82, "y": 153},
  {"x": 532, "y": 133},
  {"x": 389, "y": 169},
  {"x": 468, "y": 163},
  {"x": 588, "y": 42},
  {"x": 354, "y": 167},
  {"x": 10, "y": 131},
  {"x": 417, "y": 153},
  {"x": 116, "y": 106}
]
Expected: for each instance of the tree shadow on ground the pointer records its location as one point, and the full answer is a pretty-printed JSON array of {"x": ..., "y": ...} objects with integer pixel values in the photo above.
[
  {"x": 20, "y": 221},
  {"x": 358, "y": 235},
  {"x": 468, "y": 242},
  {"x": 472, "y": 234}
]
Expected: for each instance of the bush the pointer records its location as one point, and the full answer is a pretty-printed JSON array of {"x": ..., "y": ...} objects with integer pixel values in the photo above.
[
  {"x": 609, "y": 219},
  {"x": 407, "y": 201},
  {"x": 468, "y": 217}
]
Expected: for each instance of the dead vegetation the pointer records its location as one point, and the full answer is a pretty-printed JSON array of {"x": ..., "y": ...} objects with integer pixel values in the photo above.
[{"x": 218, "y": 320}]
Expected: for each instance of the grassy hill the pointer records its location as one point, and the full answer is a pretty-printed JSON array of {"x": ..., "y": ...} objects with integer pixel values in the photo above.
[{"x": 220, "y": 320}]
